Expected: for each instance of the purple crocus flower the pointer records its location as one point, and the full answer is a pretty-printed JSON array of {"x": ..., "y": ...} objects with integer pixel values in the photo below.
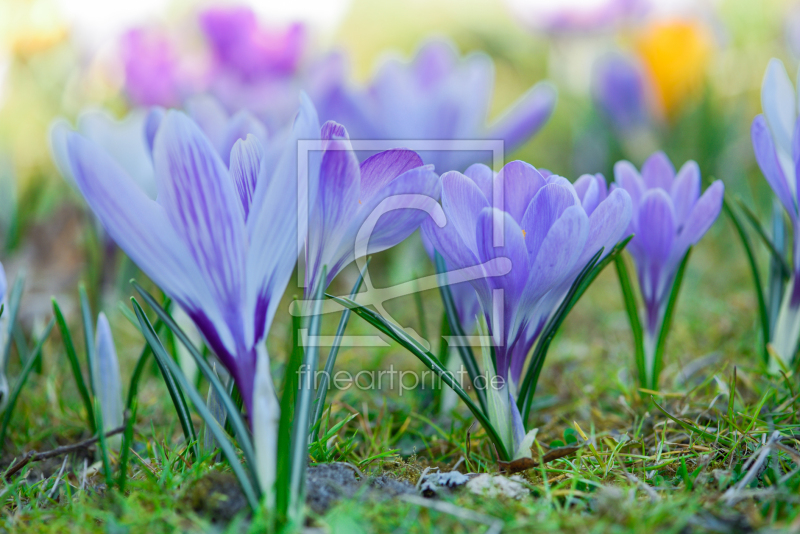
[
  {"x": 619, "y": 91},
  {"x": 220, "y": 239},
  {"x": 241, "y": 46},
  {"x": 151, "y": 68},
  {"x": 776, "y": 142},
  {"x": 548, "y": 237},
  {"x": 438, "y": 96},
  {"x": 347, "y": 220},
  {"x": 669, "y": 216}
]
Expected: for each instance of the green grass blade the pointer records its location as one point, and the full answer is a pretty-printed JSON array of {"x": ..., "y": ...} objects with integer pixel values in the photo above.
[
  {"x": 173, "y": 369},
  {"x": 175, "y": 393},
  {"x": 322, "y": 390},
  {"x": 127, "y": 443},
  {"x": 762, "y": 305},
  {"x": 102, "y": 443},
  {"x": 234, "y": 413},
  {"x": 13, "y": 308},
  {"x": 302, "y": 411},
  {"x": 72, "y": 356},
  {"x": 22, "y": 379},
  {"x": 465, "y": 351},
  {"x": 631, "y": 308},
  {"x": 88, "y": 338},
  {"x": 431, "y": 362},
  {"x": 666, "y": 324},
  {"x": 760, "y": 232},
  {"x": 288, "y": 398}
]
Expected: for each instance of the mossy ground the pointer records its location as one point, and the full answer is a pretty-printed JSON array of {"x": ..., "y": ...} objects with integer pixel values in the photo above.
[{"x": 647, "y": 471}]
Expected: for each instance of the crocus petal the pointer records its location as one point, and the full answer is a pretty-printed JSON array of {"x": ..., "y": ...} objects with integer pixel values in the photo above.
[
  {"x": 627, "y": 177},
  {"x": 589, "y": 190},
  {"x": 137, "y": 224},
  {"x": 656, "y": 225},
  {"x": 557, "y": 255},
  {"x": 211, "y": 117},
  {"x": 607, "y": 224},
  {"x": 202, "y": 204},
  {"x": 519, "y": 182},
  {"x": 238, "y": 127},
  {"x": 390, "y": 216},
  {"x": 380, "y": 169},
  {"x": 779, "y": 103},
  {"x": 658, "y": 171},
  {"x": 545, "y": 208},
  {"x": 703, "y": 215},
  {"x": 151, "y": 124},
  {"x": 108, "y": 387},
  {"x": 462, "y": 201},
  {"x": 338, "y": 199},
  {"x": 448, "y": 242},
  {"x": 483, "y": 177},
  {"x": 125, "y": 141},
  {"x": 245, "y": 165},
  {"x": 767, "y": 159},
  {"x": 685, "y": 191},
  {"x": 514, "y": 249},
  {"x": 526, "y": 116}
]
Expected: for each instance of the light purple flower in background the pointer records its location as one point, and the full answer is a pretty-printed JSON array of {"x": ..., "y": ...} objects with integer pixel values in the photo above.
[
  {"x": 548, "y": 238},
  {"x": 151, "y": 68},
  {"x": 619, "y": 91},
  {"x": 576, "y": 16},
  {"x": 776, "y": 142},
  {"x": 124, "y": 140},
  {"x": 220, "y": 240},
  {"x": 669, "y": 216},
  {"x": 390, "y": 189},
  {"x": 129, "y": 141},
  {"x": 438, "y": 96},
  {"x": 241, "y": 46},
  {"x": 107, "y": 386}
]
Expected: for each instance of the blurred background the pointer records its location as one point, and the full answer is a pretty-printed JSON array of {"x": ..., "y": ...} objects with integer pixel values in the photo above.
[{"x": 632, "y": 76}]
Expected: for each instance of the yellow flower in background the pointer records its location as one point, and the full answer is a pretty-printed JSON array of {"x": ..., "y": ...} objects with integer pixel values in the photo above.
[{"x": 676, "y": 54}]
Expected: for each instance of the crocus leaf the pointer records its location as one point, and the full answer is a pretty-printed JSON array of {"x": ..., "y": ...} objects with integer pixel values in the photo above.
[
  {"x": 288, "y": 399},
  {"x": 127, "y": 443},
  {"x": 761, "y": 233},
  {"x": 69, "y": 348},
  {"x": 173, "y": 369},
  {"x": 234, "y": 414},
  {"x": 666, "y": 324},
  {"x": 322, "y": 391},
  {"x": 22, "y": 379},
  {"x": 302, "y": 409},
  {"x": 175, "y": 393},
  {"x": 467, "y": 356},
  {"x": 776, "y": 281},
  {"x": 632, "y": 310},
  {"x": 762, "y": 305},
  {"x": 431, "y": 362}
]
